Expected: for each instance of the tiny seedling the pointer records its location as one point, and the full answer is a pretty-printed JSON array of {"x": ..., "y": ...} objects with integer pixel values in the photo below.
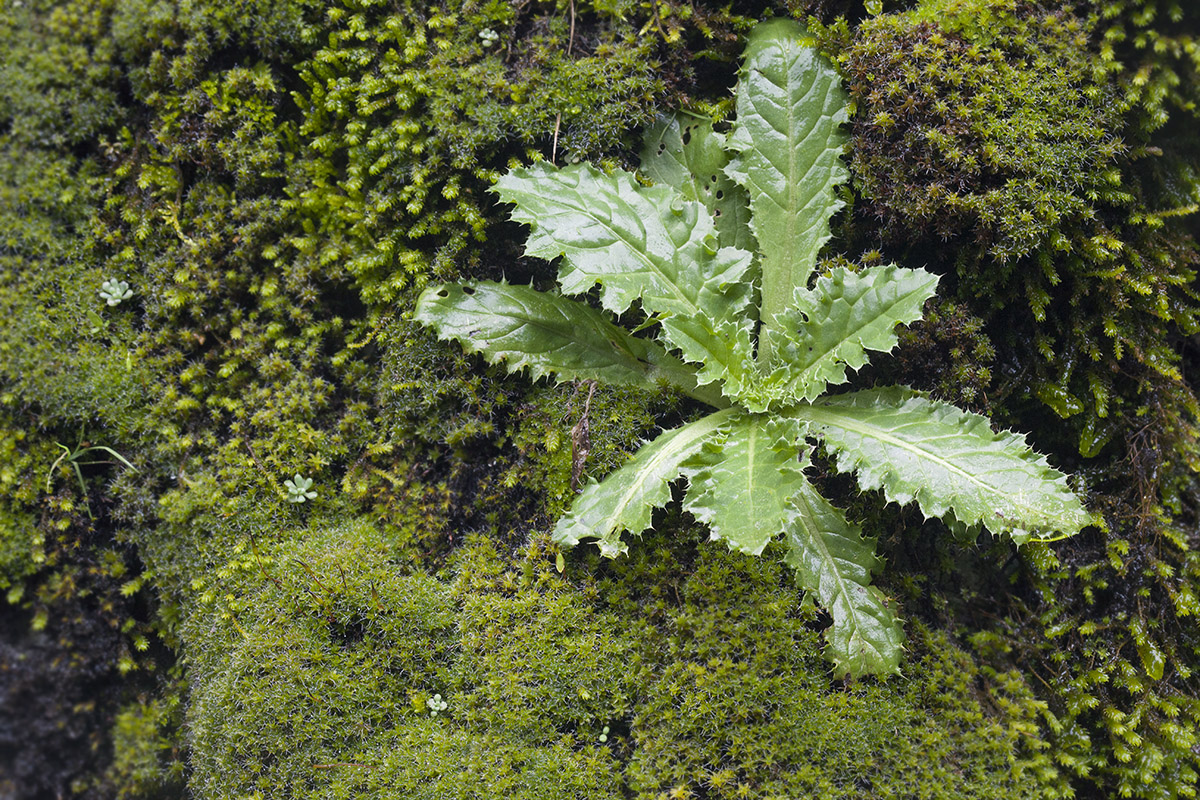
[
  {"x": 74, "y": 458},
  {"x": 300, "y": 489},
  {"x": 720, "y": 254},
  {"x": 114, "y": 291},
  {"x": 436, "y": 704}
]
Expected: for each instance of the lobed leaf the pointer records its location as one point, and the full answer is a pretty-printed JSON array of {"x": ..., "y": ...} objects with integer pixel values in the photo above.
[
  {"x": 550, "y": 335},
  {"x": 831, "y": 326},
  {"x": 639, "y": 242},
  {"x": 685, "y": 152},
  {"x": 626, "y": 499},
  {"x": 748, "y": 486},
  {"x": 949, "y": 460},
  {"x": 740, "y": 485},
  {"x": 835, "y": 562},
  {"x": 789, "y": 141}
]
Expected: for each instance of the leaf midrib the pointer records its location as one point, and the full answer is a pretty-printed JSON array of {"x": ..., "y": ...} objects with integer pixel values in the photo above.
[
  {"x": 638, "y": 250},
  {"x": 714, "y": 421},
  {"x": 818, "y": 541},
  {"x": 816, "y": 413},
  {"x": 831, "y": 351}
]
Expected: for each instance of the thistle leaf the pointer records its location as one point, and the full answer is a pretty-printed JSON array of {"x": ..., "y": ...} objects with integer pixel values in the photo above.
[
  {"x": 788, "y": 140},
  {"x": 639, "y": 242},
  {"x": 685, "y": 152},
  {"x": 831, "y": 326},
  {"x": 625, "y": 500},
  {"x": 834, "y": 561},
  {"x": 740, "y": 485},
  {"x": 948, "y": 460},
  {"x": 550, "y": 335}
]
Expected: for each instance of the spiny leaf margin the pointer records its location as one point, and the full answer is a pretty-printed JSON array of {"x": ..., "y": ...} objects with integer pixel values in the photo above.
[
  {"x": 625, "y": 500},
  {"x": 831, "y": 326},
  {"x": 788, "y": 140},
  {"x": 740, "y": 485},
  {"x": 639, "y": 242},
  {"x": 685, "y": 152},
  {"x": 833, "y": 560},
  {"x": 550, "y": 335},
  {"x": 965, "y": 469}
]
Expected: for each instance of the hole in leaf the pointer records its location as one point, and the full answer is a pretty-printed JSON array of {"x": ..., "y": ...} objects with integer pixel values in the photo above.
[
  {"x": 686, "y": 136},
  {"x": 468, "y": 290},
  {"x": 720, "y": 194}
]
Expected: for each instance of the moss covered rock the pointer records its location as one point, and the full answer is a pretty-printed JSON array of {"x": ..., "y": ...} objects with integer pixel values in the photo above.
[{"x": 275, "y": 179}]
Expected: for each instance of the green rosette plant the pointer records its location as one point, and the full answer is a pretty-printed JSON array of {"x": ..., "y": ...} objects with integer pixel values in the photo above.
[{"x": 719, "y": 254}]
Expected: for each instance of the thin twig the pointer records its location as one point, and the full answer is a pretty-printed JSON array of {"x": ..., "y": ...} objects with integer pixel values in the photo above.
[
  {"x": 558, "y": 116},
  {"x": 571, "y": 35},
  {"x": 581, "y": 439}
]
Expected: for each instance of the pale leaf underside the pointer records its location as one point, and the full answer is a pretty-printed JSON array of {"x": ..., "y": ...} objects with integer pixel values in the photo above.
[
  {"x": 626, "y": 499},
  {"x": 948, "y": 460}
]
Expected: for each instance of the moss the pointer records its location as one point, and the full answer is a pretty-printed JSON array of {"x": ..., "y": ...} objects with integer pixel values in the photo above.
[
  {"x": 949, "y": 354},
  {"x": 147, "y": 761},
  {"x": 993, "y": 125},
  {"x": 539, "y": 660},
  {"x": 1083, "y": 281},
  {"x": 57, "y": 87},
  {"x": 275, "y": 180},
  {"x": 1151, "y": 46},
  {"x": 319, "y": 659},
  {"x": 1007, "y": 132},
  {"x": 301, "y": 654},
  {"x": 740, "y": 706}
]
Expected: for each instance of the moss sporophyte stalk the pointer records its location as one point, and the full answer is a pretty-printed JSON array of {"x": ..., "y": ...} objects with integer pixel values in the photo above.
[{"x": 720, "y": 254}]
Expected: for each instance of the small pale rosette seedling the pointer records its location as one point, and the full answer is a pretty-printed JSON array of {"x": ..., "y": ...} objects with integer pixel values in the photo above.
[
  {"x": 720, "y": 254},
  {"x": 114, "y": 292},
  {"x": 436, "y": 705},
  {"x": 300, "y": 489}
]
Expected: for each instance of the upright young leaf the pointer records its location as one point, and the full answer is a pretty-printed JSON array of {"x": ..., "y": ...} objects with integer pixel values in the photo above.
[
  {"x": 948, "y": 460},
  {"x": 788, "y": 140},
  {"x": 551, "y": 335},
  {"x": 831, "y": 326},
  {"x": 646, "y": 242},
  {"x": 833, "y": 561},
  {"x": 625, "y": 500},
  {"x": 740, "y": 485},
  {"x": 685, "y": 152}
]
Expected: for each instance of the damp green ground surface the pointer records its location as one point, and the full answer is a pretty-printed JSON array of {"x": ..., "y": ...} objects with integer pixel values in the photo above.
[{"x": 276, "y": 180}]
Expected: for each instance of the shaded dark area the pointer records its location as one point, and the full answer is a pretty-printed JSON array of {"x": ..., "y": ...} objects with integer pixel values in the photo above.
[{"x": 61, "y": 688}]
